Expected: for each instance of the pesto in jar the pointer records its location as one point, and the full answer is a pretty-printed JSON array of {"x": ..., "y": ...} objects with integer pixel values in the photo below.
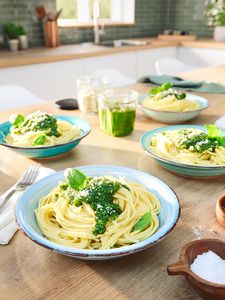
[{"x": 117, "y": 122}]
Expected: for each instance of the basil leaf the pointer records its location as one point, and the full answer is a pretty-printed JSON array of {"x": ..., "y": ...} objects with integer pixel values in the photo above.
[
  {"x": 40, "y": 140},
  {"x": 76, "y": 179},
  {"x": 180, "y": 96},
  {"x": 143, "y": 222},
  {"x": 166, "y": 86},
  {"x": 221, "y": 140},
  {"x": 19, "y": 119},
  {"x": 154, "y": 91},
  {"x": 213, "y": 131}
]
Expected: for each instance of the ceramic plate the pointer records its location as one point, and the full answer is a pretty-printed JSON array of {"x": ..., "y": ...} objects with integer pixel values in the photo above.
[
  {"x": 47, "y": 151},
  {"x": 168, "y": 217},
  {"x": 171, "y": 117}
]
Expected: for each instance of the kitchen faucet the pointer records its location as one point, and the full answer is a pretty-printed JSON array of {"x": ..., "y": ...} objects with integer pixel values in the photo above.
[{"x": 96, "y": 15}]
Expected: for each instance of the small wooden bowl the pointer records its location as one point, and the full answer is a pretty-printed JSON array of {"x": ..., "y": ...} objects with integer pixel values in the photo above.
[
  {"x": 220, "y": 211},
  {"x": 207, "y": 290}
]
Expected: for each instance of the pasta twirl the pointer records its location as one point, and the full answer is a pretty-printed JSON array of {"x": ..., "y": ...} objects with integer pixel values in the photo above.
[
  {"x": 72, "y": 225},
  {"x": 166, "y": 98},
  {"x": 40, "y": 129},
  {"x": 170, "y": 103},
  {"x": 192, "y": 146}
]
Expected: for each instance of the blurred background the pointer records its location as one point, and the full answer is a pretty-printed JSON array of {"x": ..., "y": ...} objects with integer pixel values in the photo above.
[{"x": 46, "y": 46}]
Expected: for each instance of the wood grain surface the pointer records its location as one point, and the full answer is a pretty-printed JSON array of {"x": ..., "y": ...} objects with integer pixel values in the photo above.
[
  {"x": 76, "y": 51},
  {"x": 28, "y": 271}
]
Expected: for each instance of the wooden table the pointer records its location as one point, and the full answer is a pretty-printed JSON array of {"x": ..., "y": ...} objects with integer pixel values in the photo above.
[{"x": 28, "y": 271}]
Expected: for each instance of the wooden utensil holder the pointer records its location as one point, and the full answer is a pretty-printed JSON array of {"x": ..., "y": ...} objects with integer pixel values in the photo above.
[{"x": 51, "y": 33}]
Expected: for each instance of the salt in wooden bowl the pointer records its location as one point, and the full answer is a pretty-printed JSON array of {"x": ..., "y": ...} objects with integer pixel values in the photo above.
[{"x": 207, "y": 290}]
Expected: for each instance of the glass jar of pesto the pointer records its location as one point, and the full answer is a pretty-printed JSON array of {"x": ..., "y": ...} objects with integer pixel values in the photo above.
[{"x": 117, "y": 112}]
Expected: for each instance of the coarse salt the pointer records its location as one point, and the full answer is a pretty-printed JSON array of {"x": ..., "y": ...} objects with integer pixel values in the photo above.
[{"x": 210, "y": 267}]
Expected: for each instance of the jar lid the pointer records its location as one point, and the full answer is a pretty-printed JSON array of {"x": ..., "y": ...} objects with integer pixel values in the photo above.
[
  {"x": 93, "y": 81},
  {"x": 117, "y": 97}
]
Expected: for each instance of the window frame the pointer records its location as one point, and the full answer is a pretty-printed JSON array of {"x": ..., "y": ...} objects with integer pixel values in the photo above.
[{"x": 83, "y": 20}]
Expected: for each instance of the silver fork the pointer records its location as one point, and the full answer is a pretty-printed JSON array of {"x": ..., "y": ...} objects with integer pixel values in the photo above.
[{"x": 26, "y": 180}]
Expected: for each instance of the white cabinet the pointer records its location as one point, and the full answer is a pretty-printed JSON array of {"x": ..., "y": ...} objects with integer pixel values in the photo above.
[
  {"x": 58, "y": 79},
  {"x": 145, "y": 59},
  {"x": 48, "y": 81},
  {"x": 201, "y": 57}
]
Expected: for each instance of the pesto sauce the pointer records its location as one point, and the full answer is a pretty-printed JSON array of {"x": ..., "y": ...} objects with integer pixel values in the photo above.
[
  {"x": 40, "y": 122},
  {"x": 117, "y": 122},
  {"x": 99, "y": 194},
  {"x": 197, "y": 143}
]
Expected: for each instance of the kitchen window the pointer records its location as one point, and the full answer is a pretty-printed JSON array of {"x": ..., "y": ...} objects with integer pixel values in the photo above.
[{"x": 79, "y": 13}]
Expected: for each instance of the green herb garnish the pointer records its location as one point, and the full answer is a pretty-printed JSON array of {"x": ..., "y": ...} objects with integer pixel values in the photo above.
[
  {"x": 18, "y": 120},
  {"x": 49, "y": 122},
  {"x": 97, "y": 192},
  {"x": 75, "y": 179},
  {"x": 180, "y": 96},
  {"x": 215, "y": 133},
  {"x": 143, "y": 223},
  {"x": 202, "y": 141},
  {"x": 40, "y": 140},
  {"x": 37, "y": 122},
  {"x": 164, "y": 87}
]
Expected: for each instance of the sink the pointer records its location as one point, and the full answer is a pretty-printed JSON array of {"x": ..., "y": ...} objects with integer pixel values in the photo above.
[{"x": 122, "y": 43}]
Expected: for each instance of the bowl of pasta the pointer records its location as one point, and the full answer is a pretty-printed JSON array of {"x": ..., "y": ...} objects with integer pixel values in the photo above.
[
  {"x": 42, "y": 135},
  {"x": 168, "y": 105},
  {"x": 188, "y": 150},
  {"x": 98, "y": 212}
]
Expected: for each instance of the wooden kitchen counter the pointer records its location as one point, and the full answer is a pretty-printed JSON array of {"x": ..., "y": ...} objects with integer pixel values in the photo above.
[
  {"x": 77, "y": 51},
  {"x": 204, "y": 43},
  {"x": 28, "y": 271},
  {"x": 68, "y": 52}
]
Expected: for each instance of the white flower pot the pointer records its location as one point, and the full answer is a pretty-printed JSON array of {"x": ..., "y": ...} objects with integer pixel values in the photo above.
[
  {"x": 23, "y": 40},
  {"x": 219, "y": 33},
  {"x": 13, "y": 45}
]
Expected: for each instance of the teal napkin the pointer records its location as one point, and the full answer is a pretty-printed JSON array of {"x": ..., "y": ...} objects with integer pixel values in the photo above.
[{"x": 197, "y": 86}]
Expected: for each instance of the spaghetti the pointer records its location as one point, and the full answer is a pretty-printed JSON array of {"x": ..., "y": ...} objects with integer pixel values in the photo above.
[
  {"x": 166, "y": 98},
  {"x": 132, "y": 217},
  {"x": 170, "y": 103},
  {"x": 189, "y": 146},
  {"x": 40, "y": 129}
]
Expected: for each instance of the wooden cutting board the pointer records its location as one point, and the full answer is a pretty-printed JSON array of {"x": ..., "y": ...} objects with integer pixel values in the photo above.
[{"x": 176, "y": 37}]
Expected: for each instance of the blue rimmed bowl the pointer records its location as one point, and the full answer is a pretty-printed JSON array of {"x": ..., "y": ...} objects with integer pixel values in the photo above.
[
  {"x": 195, "y": 171},
  {"x": 47, "y": 151},
  {"x": 168, "y": 217},
  {"x": 172, "y": 117}
]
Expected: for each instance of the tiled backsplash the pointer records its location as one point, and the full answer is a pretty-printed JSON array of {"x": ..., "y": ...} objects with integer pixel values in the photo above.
[
  {"x": 152, "y": 17},
  {"x": 189, "y": 15}
]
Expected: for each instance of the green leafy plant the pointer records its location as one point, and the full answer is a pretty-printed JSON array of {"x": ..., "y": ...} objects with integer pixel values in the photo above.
[
  {"x": 13, "y": 31},
  {"x": 21, "y": 30},
  {"x": 215, "y": 12}
]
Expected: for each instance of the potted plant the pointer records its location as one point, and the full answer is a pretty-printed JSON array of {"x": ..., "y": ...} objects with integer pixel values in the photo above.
[
  {"x": 215, "y": 12},
  {"x": 11, "y": 31},
  {"x": 23, "y": 39}
]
